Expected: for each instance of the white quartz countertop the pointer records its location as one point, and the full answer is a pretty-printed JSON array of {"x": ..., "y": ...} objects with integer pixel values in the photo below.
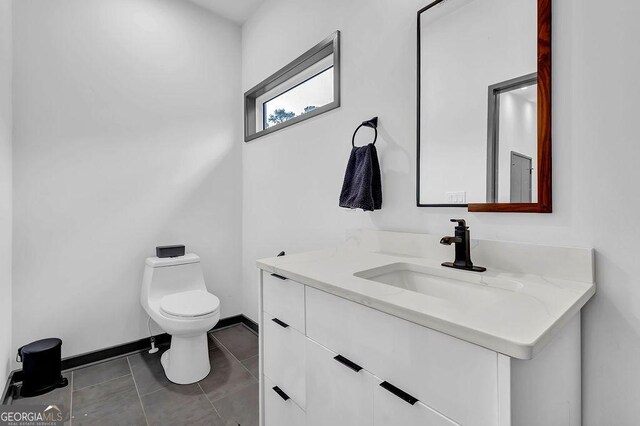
[{"x": 518, "y": 323}]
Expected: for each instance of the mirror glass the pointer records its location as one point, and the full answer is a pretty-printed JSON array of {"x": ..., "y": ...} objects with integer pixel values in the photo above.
[{"x": 478, "y": 102}]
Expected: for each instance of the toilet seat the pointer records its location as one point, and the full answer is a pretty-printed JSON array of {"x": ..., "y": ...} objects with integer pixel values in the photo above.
[{"x": 190, "y": 304}]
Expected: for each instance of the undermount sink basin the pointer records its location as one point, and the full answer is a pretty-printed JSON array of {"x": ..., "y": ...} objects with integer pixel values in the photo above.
[{"x": 459, "y": 287}]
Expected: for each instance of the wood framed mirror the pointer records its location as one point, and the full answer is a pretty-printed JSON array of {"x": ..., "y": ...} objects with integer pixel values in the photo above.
[{"x": 484, "y": 105}]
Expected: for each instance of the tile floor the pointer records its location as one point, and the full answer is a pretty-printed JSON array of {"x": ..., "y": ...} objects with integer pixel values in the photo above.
[{"x": 133, "y": 390}]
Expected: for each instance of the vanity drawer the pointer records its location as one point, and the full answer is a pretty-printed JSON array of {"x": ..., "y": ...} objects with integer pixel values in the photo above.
[
  {"x": 339, "y": 393},
  {"x": 284, "y": 357},
  {"x": 391, "y": 410},
  {"x": 284, "y": 299},
  {"x": 456, "y": 378},
  {"x": 278, "y": 410}
]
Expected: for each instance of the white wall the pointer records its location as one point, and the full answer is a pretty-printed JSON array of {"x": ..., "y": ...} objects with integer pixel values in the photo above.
[
  {"x": 6, "y": 351},
  {"x": 126, "y": 137},
  {"x": 292, "y": 178}
]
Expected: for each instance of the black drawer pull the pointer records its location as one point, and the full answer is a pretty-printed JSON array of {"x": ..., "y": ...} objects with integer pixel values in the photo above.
[
  {"x": 399, "y": 393},
  {"x": 279, "y": 276},
  {"x": 281, "y": 393},
  {"x": 280, "y": 323},
  {"x": 348, "y": 363}
]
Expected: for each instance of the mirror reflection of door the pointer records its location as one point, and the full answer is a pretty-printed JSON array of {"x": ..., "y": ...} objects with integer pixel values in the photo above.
[
  {"x": 521, "y": 171},
  {"x": 512, "y": 127}
]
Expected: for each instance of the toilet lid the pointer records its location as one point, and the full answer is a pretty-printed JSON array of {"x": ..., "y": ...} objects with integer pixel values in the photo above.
[{"x": 193, "y": 303}]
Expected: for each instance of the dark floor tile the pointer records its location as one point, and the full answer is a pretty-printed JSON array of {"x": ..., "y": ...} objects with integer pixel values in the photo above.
[
  {"x": 60, "y": 397},
  {"x": 251, "y": 364},
  {"x": 180, "y": 405},
  {"x": 148, "y": 372},
  {"x": 240, "y": 408},
  {"x": 114, "y": 402},
  {"x": 227, "y": 375},
  {"x": 99, "y": 373},
  {"x": 242, "y": 342},
  {"x": 213, "y": 343}
]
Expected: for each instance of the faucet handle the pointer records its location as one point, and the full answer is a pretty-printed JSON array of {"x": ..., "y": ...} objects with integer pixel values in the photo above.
[{"x": 461, "y": 222}]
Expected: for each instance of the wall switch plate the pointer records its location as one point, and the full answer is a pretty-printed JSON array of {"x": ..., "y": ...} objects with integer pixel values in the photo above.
[{"x": 457, "y": 197}]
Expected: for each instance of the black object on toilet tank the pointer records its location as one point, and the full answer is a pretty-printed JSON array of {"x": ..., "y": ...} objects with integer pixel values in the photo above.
[
  {"x": 170, "y": 251},
  {"x": 41, "y": 367}
]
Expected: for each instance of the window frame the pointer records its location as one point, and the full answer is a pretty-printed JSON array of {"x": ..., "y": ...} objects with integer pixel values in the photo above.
[{"x": 281, "y": 81}]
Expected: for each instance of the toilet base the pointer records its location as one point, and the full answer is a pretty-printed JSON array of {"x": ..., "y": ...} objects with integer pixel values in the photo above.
[{"x": 187, "y": 360}]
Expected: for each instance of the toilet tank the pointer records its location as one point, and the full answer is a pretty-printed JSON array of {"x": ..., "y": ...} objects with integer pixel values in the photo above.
[{"x": 170, "y": 275}]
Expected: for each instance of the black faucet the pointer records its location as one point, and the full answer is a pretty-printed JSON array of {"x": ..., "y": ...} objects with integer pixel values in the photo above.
[{"x": 463, "y": 248}]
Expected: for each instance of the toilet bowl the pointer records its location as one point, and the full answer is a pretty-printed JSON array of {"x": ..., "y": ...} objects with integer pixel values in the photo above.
[{"x": 175, "y": 296}]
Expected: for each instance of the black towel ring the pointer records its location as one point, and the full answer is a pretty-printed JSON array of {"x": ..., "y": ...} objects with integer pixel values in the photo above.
[{"x": 373, "y": 123}]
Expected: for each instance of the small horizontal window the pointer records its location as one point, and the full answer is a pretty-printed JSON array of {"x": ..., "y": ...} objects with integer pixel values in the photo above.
[{"x": 307, "y": 87}]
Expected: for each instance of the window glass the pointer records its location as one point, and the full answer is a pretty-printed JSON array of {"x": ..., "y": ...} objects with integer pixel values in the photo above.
[{"x": 312, "y": 93}]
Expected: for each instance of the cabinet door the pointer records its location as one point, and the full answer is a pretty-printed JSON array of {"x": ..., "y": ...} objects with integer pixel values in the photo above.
[
  {"x": 337, "y": 395},
  {"x": 284, "y": 299},
  {"x": 391, "y": 409},
  {"x": 279, "y": 410},
  {"x": 284, "y": 357},
  {"x": 454, "y": 377}
]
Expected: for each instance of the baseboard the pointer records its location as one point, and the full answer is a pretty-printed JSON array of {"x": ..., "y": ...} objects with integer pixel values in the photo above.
[
  {"x": 226, "y": 322},
  {"x": 250, "y": 323},
  {"x": 93, "y": 357},
  {"x": 7, "y": 386}
]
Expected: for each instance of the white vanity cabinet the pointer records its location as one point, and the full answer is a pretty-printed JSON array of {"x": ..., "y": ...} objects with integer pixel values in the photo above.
[{"x": 336, "y": 362}]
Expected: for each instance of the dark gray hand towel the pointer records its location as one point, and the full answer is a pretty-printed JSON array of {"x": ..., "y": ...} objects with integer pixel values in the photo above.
[{"x": 362, "y": 187}]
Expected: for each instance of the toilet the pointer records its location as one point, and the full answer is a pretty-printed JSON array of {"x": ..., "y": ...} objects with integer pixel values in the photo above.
[{"x": 176, "y": 298}]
